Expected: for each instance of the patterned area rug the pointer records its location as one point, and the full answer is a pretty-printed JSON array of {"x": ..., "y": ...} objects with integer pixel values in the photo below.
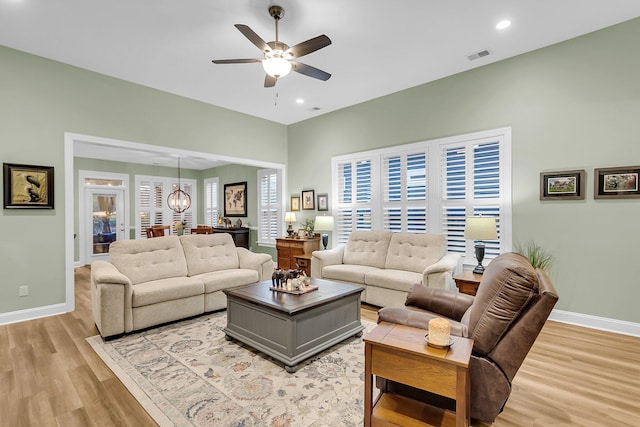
[{"x": 188, "y": 374}]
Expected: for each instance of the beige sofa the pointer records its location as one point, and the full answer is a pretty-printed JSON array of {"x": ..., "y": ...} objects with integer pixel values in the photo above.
[
  {"x": 153, "y": 281},
  {"x": 388, "y": 264}
]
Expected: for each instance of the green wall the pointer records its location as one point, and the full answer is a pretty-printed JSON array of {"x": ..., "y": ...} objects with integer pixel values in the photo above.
[
  {"x": 41, "y": 100},
  {"x": 574, "y": 105}
]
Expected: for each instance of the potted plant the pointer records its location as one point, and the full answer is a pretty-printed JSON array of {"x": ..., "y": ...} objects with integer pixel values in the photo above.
[{"x": 538, "y": 256}]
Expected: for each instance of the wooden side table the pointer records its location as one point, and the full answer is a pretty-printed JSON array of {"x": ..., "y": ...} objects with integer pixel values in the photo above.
[
  {"x": 400, "y": 353},
  {"x": 468, "y": 282},
  {"x": 288, "y": 248},
  {"x": 303, "y": 262}
]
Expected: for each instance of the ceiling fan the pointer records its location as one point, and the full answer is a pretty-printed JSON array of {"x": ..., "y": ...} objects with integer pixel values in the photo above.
[{"x": 277, "y": 61}]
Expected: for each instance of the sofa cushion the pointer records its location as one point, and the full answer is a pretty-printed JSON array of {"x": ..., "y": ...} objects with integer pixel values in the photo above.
[
  {"x": 146, "y": 260},
  {"x": 209, "y": 252},
  {"x": 347, "y": 273},
  {"x": 414, "y": 251},
  {"x": 225, "y": 279},
  {"x": 398, "y": 280},
  {"x": 367, "y": 248},
  {"x": 157, "y": 291},
  {"x": 508, "y": 285}
]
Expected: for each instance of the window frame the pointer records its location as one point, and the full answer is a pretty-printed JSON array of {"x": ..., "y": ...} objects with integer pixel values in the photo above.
[{"x": 435, "y": 200}]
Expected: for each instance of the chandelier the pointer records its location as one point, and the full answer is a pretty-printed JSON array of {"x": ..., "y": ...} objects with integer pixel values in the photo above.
[{"x": 178, "y": 200}]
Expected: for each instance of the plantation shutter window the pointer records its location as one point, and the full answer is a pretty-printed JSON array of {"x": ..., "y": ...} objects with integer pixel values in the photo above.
[
  {"x": 405, "y": 192},
  {"x": 270, "y": 212},
  {"x": 353, "y": 211},
  {"x": 428, "y": 187},
  {"x": 151, "y": 203},
  {"x": 211, "y": 201},
  {"x": 473, "y": 183}
]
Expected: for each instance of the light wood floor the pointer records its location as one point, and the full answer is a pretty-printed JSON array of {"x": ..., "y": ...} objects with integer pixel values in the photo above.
[{"x": 50, "y": 376}]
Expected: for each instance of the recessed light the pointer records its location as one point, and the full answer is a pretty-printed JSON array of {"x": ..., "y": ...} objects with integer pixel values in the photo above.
[
  {"x": 503, "y": 24},
  {"x": 299, "y": 101}
]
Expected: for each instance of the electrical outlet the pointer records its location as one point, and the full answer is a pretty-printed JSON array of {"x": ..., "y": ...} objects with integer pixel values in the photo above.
[{"x": 23, "y": 291}]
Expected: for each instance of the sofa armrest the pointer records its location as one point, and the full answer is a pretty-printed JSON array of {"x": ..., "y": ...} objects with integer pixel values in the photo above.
[
  {"x": 452, "y": 305},
  {"x": 440, "y": 275},
  {"x": 262, "y": 263},
  {"x": 110, "y": 299},
  {"x": 321, "y": 259}
]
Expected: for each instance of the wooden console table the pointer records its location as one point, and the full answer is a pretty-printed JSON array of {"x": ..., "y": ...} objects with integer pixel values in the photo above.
[
  {"x": 400, "y": 353},
  {"x": 289, "y": 248},
  {"x": 240, "y": 235},
  {"x": 467, "y": 282}
]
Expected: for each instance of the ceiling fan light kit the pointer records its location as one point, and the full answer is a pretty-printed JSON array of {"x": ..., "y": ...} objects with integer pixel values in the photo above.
[{"x": 277, "y": 61}]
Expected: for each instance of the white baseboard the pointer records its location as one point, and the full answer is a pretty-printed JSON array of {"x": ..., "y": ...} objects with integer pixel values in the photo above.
[
  {"x": 595, "y": 322},
  {"x": 34, "y": 313}
]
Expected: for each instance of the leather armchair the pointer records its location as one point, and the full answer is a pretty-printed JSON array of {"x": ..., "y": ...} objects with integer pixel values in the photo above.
[{"x": 504, "y": 319}]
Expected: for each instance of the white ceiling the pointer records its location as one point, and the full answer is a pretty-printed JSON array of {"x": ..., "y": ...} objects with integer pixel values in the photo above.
[{"x": 378, "y": 47}]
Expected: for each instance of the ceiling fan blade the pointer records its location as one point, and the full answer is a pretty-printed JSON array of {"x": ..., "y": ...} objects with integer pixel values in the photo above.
[
  {"x": 310, "y": 71},
  {"x": 309, "y": 46},
  {"x": 253, "y": 37},
  {"x": 235, "y": 61},
  {"x": 269, "y": 81}
]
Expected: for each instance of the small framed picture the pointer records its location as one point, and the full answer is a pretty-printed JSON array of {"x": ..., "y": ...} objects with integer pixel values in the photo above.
[
  {"x": 308, "y": 200},
  {"x": 235, "y": 199},
  {"x": 302, "y": 233},
  {"x": 616, "y": 183},
  {"x": 27, "y": 186},
  {"x": 323, "y": 202},
  {"x": 295, "y": 203},
  {"x": 562, "y": 185}
]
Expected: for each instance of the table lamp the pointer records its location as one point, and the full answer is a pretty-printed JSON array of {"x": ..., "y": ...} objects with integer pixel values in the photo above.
[
  {"x": 290, "y": 217},
  {"x": 480, "y": 228},
  {"x": 324, "y": 223}
]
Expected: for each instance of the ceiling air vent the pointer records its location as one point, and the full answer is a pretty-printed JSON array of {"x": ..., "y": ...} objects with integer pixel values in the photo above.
[{"x": 480, "y": 54}]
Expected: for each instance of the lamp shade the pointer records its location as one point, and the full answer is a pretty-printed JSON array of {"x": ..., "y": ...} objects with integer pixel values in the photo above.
[
  {"x": 323, "y": 223},
  {"x": 480, "y": 228},
  {"x": 290, "y": 217}
]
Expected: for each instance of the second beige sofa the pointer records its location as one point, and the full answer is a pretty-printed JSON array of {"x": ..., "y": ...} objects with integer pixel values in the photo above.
[{"x": 388, "y": 264}]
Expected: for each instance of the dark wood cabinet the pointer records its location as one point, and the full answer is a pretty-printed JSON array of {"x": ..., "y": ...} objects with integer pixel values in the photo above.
[
  {"x": 240, "y": 235},
  {"x": 289, "y": 248}
]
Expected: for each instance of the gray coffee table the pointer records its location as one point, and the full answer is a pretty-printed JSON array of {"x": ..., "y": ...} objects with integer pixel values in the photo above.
[{"x": 292, "y": 328}]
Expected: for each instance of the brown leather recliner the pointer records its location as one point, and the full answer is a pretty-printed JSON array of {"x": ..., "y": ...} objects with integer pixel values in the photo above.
[{"x": 504, "y": 318}]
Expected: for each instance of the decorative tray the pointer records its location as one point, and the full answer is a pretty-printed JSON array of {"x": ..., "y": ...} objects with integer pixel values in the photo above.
[
  {"x": 294, "y": 291},
  {"x": 438, "y": 346}
]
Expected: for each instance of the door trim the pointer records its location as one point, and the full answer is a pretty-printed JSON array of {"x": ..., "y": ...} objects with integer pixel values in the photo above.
[{"x": 82, "y": 221}]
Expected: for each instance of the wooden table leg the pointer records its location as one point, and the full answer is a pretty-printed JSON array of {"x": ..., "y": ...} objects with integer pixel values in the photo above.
[
  {"x": 368, "y": 386},
  {"x": 463, "y": 398}
]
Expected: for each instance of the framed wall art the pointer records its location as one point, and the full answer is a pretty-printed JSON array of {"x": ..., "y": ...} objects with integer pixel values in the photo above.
[
  {"x": 562, "y": 185},
  {"x": 616, "y": 183},
  {"x": 323, "y": 202},
  {"x": 295, "y": 203},
  {"x": 235, "y": 199},
  {"x": 27, "y": 186},
  {"x": 308, "y": 200}
]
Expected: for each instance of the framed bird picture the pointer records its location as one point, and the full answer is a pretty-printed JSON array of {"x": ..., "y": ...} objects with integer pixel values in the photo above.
[{"x": 27, "y": 186}]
